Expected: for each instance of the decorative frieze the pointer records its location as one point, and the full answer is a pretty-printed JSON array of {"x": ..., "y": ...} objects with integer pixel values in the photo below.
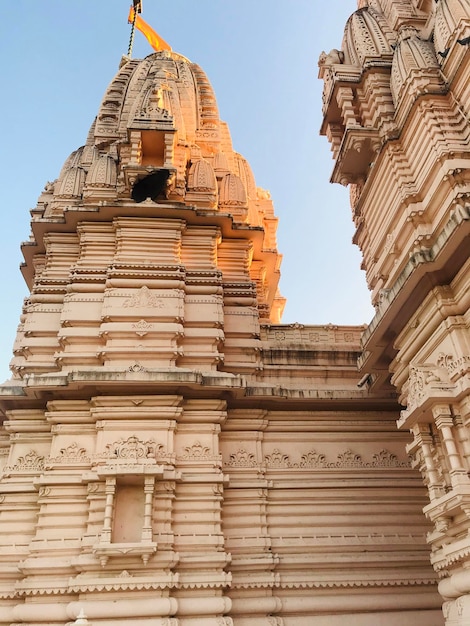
[
  {"x": 132, "y": 451},
  {"x": 198, "y": 454},
  {"x": 30, "y": 463},
  {"x": 72, "y": 455},
  {"x": 314, "y": 336},
  {"x": 456, "y": 367},
  {"x": 144, "y": 299},
  {"x": 241, "y": 458},
  {"x": 384, "y": 459}
]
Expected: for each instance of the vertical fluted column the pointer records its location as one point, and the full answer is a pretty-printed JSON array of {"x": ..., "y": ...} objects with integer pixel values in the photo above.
[
  {"x": 424, "y": 440},
  {"x": 110, "y": 491},
  {"x": 462, "y": 434},
  {"x": 444, "y": 422},
  {"x": 149, "y": 486}
]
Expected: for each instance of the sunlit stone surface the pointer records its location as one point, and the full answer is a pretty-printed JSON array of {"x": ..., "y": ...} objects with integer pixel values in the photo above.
[{"x": 175, "y": 456}]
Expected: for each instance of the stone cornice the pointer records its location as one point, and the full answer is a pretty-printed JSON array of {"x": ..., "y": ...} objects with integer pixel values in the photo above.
[{"x": 416, "y": 279}]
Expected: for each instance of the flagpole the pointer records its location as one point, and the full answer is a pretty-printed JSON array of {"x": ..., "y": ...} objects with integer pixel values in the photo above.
[{"x": 137, "y": 9}]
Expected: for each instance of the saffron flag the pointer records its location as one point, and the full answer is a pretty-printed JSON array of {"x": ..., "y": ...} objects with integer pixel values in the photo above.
[{"x": 154, "y": 40}]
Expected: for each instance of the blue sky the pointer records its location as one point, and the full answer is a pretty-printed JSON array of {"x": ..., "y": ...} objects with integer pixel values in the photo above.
[{"x": 261, "y": 58}]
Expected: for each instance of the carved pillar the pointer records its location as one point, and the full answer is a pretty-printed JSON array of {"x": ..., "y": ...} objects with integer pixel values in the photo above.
[
  {"x": 424, "y": 439},
  {"x": 136, "y": 148},
  {"x": 169, "y": 140},
  {"x": 163, "y": 514},
  {"x": 149, "y": 485},
  {"x": 463, "y": 439},
  {"x": 444, "y": 423},
  {"x": 110, "y": 491}
]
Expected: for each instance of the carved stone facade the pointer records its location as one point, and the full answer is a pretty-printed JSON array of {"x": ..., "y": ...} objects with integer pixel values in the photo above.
[
  {"x": 396, "y": 109},
  {"x": 172, "y": 455}
]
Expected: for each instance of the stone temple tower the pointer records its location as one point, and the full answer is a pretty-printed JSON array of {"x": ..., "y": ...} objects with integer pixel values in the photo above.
[
  {"x": 171, "y": 455},
  {"x": 396, "y": 107}
]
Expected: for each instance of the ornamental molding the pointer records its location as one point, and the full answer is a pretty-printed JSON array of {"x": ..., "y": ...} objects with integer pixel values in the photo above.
[
  {"x": 130, "y": 583},
  {"x": 330, "y": 584},
  {"x": 136, "y": 368},
  {"x": 329, "y": 334},
  {"x": 444, "y": 360},
  {"x": 384, "y": 459},
  {"x": 453, "y": 366},
  {"x": 347, "y": 584},
  {"x": 122, "y": 582},
  {"x": 30, "y": 592},
  {"x": 8, "y": 595},
  {"x": 151, "y": 111},
  {"x": 143, "y": 298},
  {"x": 361, "y": 540},
  {"x": 31, "y": 462},
  {"x": 39, "y": 307},
  {"x": 419, "y": 381},
  {"x": 277, "y": 459},
  {"x": 348, "y": 459},
  {"x": 133, "y": 448},
  {"x": 70, "y": 455},
  {"x": 197, "y": 452},
  {"x": 142, "y": 327},
  {"x": 216, "y": 584},
  {"x": 132, "y": 451},
  {"x": 270, "y": 581},
  {"x": 74, "y": 297},
  {"x": 313, "y": 459},
  {"x": 241, "y": 458},
  {"x": 442, "y": 561}
]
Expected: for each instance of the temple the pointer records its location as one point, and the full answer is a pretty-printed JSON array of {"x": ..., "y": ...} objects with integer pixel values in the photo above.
[{"x": 172, "y": 454}]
